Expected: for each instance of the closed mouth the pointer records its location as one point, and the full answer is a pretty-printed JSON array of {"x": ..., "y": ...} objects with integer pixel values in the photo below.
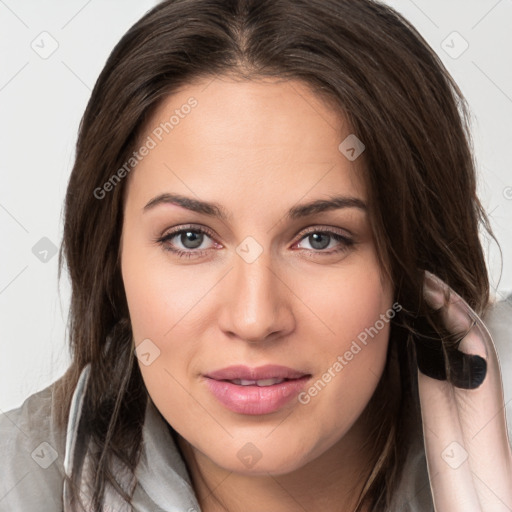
[
  {"x": 267, "y": 375},
  {"x": 260, "y": 382}
]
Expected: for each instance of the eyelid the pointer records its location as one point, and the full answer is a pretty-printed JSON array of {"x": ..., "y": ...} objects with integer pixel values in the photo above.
[
  {"x": 323, "y": 229},
  {"x": 187, "y": 227},
  {"x": 344, "y": 242}
]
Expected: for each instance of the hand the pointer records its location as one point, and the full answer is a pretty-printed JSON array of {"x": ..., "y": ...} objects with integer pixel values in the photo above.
[{"x": 468, "y": 452}]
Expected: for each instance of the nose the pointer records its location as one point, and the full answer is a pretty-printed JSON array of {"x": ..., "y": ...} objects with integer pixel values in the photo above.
[{"x": 257, "y": 305}]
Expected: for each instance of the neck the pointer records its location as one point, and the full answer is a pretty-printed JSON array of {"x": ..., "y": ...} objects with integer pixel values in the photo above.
[{"x": 331, "y": 482}]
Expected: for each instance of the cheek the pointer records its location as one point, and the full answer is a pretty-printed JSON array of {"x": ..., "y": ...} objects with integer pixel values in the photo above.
[
  {"x": 355, "y": 308},
  {"x": 159, "y": 295},
  {"x": 348, "y": 302},
  {"x": 164, "y": 312}
]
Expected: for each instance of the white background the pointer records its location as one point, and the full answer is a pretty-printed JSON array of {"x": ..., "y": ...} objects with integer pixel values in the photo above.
[{"x": 42, "y": 101}]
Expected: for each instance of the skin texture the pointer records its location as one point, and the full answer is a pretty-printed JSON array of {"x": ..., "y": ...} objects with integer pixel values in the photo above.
[{"x": 257, "y": 148}]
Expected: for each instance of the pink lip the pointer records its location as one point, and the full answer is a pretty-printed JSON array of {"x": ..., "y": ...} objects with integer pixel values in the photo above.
[{"x": 255, "y": 399}]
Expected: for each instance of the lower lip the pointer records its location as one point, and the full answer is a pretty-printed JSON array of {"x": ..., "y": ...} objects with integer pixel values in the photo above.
[{"x": 255, "y": 399}]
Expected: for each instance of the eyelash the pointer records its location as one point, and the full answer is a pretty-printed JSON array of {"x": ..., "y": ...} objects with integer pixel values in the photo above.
[{"x": 163, "y": 241}]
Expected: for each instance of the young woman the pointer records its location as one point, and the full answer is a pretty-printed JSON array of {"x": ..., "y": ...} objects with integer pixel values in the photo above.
[{"x": 272, "y": 234}]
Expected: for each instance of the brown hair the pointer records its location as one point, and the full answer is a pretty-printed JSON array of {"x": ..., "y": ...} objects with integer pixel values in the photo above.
[{"x": 399, "y": 100}]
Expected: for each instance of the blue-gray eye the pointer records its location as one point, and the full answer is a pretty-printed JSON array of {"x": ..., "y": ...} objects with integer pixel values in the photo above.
[
  {"x": 319, "y": 240},
  {"x": 191, "y": 239}
]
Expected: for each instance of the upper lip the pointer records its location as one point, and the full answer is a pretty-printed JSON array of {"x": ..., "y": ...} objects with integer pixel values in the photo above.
[{"x": 261, "y": 372}]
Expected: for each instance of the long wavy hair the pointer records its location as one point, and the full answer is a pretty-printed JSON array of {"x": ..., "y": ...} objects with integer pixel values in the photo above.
[{"x": 366, "y": 60}]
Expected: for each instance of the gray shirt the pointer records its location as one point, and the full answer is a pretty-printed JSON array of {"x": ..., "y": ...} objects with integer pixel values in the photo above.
[{"x": 35, "y": 453}]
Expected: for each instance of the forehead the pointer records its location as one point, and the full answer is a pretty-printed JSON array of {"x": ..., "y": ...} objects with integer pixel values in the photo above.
[{"x": 242, "y": 138}]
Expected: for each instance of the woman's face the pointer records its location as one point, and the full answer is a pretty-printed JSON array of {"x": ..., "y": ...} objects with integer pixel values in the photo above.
[{"x": 247, "y": 258}]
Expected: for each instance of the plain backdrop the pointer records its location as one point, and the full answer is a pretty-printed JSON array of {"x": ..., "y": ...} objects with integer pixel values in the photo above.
[{"x": 51, "y": 53}]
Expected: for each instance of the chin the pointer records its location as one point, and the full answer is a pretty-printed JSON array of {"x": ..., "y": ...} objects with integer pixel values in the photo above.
[{"x": 261, "y": 458}]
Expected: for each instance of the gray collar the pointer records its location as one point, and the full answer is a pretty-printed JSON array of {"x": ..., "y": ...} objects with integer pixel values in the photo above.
[{"x": 160, "y": 480}]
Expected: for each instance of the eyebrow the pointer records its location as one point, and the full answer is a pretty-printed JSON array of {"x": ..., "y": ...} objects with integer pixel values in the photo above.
[{"x": 216, "y": 210}]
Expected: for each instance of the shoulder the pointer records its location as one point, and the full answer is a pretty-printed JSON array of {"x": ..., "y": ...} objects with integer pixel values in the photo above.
[
  {"x": 32, "y": 452},
  {"x": 498, "y": 320}
]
